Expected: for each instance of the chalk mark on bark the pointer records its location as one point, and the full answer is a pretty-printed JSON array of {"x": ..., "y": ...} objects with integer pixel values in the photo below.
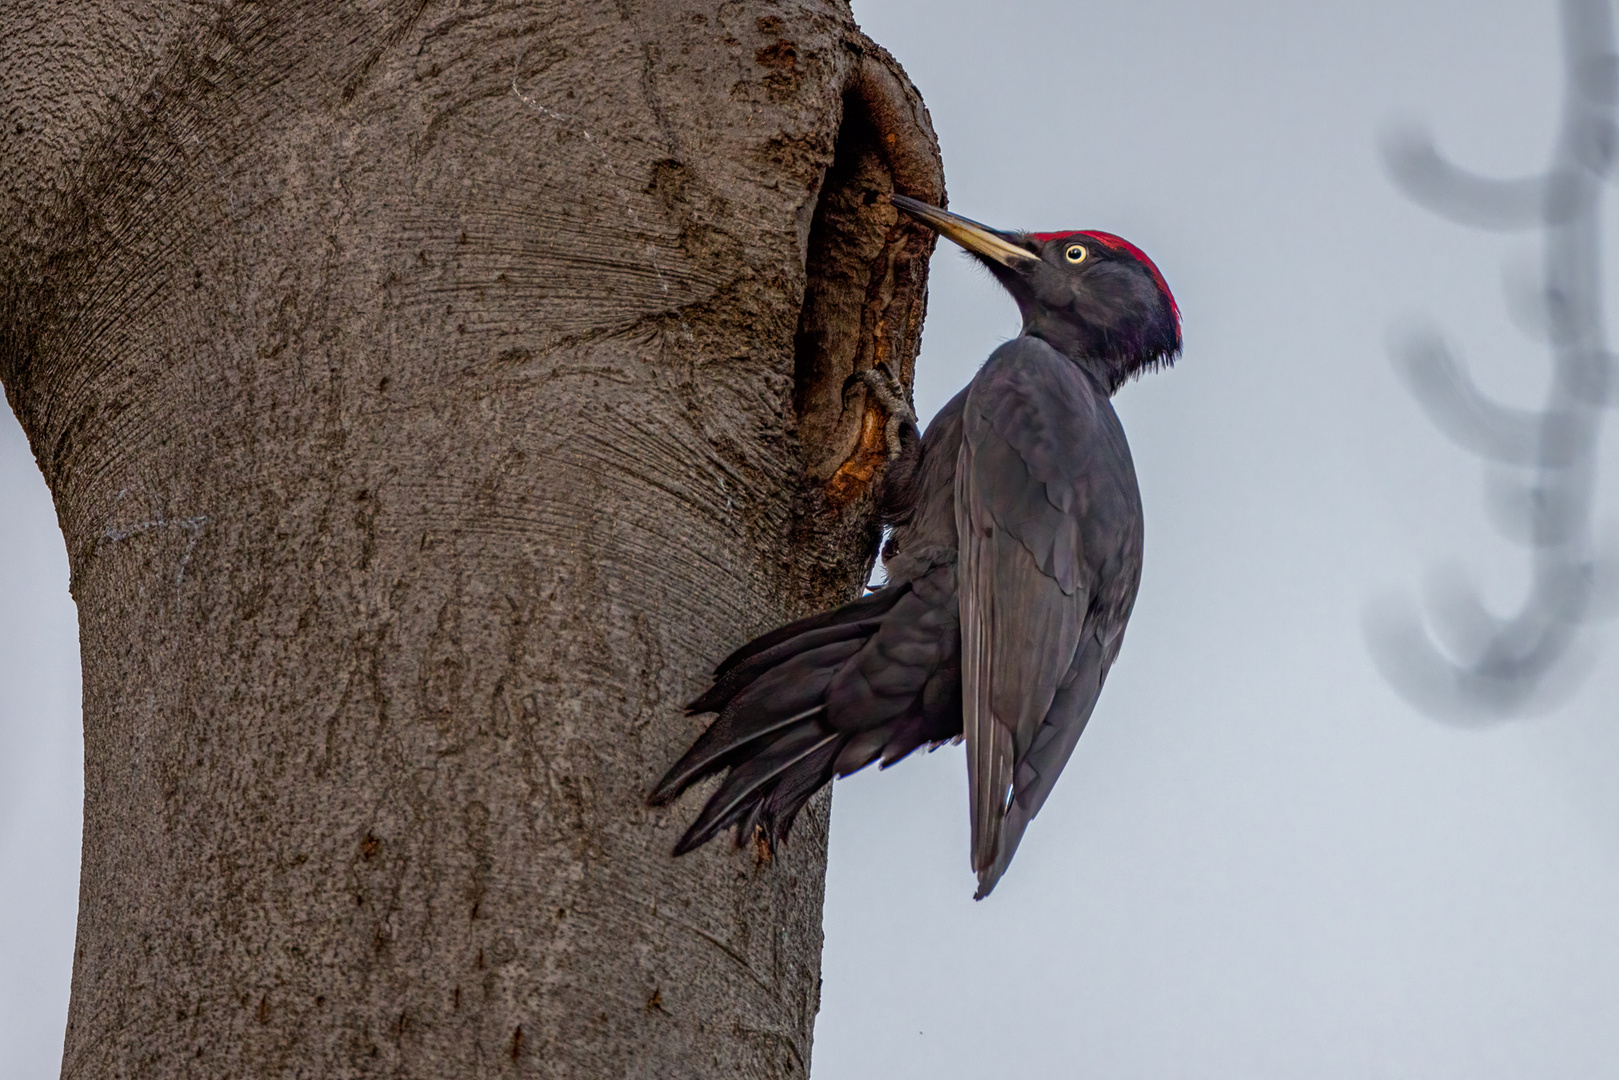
[
  {"x": 193, "y": 527},
  {"x": 740, "y": 960},
  {"x": 618, "y": 182}
]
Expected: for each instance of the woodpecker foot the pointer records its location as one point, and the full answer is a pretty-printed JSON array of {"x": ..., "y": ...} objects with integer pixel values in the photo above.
[{"x": 885, "y": 389}]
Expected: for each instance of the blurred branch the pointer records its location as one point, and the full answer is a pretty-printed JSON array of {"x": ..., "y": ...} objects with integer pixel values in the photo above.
[{"x": 1461, "y": 663}]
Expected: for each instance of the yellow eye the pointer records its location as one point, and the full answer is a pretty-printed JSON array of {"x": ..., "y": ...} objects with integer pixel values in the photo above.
[{"x": 1076, "y": 253}]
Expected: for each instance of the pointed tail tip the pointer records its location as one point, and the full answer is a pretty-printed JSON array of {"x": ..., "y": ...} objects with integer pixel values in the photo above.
[
  {"x": 691, "y": 841},
  {"x": 664, "y": 794}
]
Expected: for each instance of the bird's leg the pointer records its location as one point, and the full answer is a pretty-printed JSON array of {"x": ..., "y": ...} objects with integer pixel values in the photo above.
[
  {"x": 885, "y": 389},
  {"x": 896, "y": 488}
]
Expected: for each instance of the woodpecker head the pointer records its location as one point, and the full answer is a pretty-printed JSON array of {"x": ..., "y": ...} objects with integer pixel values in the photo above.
[{"x": 1092, "y": 296}]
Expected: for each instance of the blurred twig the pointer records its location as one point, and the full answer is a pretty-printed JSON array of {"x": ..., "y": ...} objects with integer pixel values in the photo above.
[{"x": 1461, "y": 663}]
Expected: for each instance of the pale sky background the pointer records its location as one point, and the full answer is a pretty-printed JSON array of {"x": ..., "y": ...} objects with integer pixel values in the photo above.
[{"x": 1261, "y": 863}]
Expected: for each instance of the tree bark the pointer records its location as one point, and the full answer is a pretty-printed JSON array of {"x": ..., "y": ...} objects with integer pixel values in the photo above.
[{"x": 430, "y": 394}]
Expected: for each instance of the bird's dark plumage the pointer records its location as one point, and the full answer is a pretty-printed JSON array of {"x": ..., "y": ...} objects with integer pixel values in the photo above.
[{"x": 1014, "y": 563}]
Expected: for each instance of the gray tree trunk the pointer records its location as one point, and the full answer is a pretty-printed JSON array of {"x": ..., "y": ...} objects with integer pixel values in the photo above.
[{"x": 430, "y": 393}]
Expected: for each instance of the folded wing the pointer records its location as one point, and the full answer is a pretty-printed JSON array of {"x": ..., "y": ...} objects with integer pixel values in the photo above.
[{"x": 1049, "y": 526}]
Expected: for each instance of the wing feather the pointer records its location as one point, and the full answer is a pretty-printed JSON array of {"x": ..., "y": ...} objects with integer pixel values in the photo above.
[{"x": 1048, "y": 526}]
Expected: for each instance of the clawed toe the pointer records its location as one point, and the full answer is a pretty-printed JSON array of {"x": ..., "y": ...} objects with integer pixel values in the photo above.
[{"x": 885, "y": 389}]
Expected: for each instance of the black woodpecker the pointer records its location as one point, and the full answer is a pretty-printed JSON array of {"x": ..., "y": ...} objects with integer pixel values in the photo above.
[{"x": 1012, "y": 568}]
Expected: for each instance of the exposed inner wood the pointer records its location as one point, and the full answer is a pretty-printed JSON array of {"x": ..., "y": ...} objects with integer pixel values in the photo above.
[{"x": 864, "y": 298}]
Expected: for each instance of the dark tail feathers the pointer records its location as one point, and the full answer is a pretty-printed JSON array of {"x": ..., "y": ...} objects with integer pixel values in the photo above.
[{"x": 823, "y": 697}]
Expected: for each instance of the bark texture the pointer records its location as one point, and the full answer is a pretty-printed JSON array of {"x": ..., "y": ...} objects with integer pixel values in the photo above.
[{"x": 430, "y": 394}]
